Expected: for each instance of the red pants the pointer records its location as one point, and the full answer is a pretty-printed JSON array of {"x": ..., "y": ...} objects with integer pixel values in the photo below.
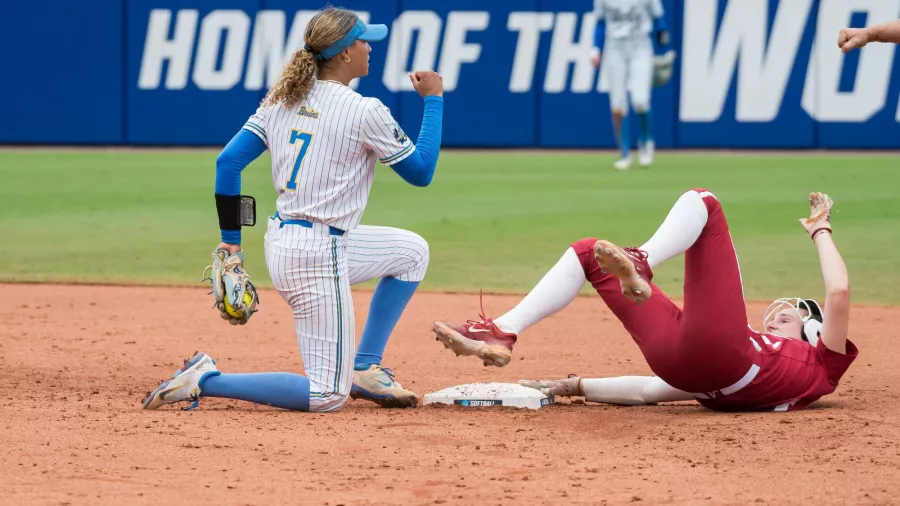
[{"x": 704, "y": 347}]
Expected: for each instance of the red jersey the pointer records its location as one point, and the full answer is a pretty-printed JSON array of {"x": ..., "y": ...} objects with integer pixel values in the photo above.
[{"x": 792, "y": 375}]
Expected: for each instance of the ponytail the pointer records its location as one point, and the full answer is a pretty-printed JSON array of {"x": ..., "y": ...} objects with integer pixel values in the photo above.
[{"x": 295, "y": 82}]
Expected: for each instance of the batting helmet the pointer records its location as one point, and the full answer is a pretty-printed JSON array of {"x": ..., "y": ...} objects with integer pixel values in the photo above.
[
  {"x": 662, "y": 67},
  {"x": 812, "y": 322}
]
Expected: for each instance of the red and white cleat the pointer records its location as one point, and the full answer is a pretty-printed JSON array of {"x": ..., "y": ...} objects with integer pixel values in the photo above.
[
  {"x": 477, "y": 338},
  {"x": 629, "y": 265}
]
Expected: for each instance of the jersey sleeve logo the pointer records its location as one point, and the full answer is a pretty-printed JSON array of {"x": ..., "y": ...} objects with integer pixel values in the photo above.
[{"x": 399, "y": 134}]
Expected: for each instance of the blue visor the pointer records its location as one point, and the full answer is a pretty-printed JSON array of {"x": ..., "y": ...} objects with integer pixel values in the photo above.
[{"x": 360, "y": 31}]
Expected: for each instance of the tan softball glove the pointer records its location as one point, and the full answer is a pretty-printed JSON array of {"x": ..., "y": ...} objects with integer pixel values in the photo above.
[{"x": 235, "y": 296}]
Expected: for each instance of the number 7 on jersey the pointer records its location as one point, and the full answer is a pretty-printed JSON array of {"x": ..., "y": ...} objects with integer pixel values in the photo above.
[{"x": 305, "y": 138}]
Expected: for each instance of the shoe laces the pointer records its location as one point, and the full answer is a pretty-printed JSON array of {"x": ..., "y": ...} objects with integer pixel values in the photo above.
[
  {"x": 196, "y": 399},
  {"x": 637, "y": 253},
  {"x": 485, "y": 321},
  {"x": 387, "y": 371}
]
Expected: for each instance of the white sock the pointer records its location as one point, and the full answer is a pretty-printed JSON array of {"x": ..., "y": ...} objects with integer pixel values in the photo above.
[
  {"x": 679, "y": 231},
  {"x": 631, "y": 390},
  {"x": 554, "y": 291}
]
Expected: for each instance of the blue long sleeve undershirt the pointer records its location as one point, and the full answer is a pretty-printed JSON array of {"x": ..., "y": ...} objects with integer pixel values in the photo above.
[
  {"x": 240, "y": 151},
  {"x": 417, "y": 169},
  {"x": 660, "y": 26}
]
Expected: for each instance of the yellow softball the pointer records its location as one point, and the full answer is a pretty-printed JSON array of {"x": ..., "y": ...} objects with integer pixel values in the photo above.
[{"x": 237, "y": 313}]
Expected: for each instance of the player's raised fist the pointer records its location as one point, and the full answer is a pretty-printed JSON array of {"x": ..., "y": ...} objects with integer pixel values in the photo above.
[
  {"x": 853, "y": 38},
  {"x": 427, "y": 82}
]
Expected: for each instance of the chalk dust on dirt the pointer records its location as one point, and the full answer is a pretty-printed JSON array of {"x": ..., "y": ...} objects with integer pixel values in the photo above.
[{"x": 76, "y": 361}]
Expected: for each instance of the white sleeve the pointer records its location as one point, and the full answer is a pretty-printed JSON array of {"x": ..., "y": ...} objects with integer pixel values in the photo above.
[
  {"x": 598, "y": 9},
  {"x": 631, "y": 390},
  {"x": 257, "y": 123},
  {"x": 656, "y": 9},
  {"x": 383, "y": 135}
]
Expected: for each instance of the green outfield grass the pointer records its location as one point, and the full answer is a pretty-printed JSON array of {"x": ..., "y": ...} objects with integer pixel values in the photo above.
[{"x": 495, "y": 220}]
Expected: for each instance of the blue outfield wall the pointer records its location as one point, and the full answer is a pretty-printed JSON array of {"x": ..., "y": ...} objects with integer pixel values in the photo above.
[{"x": 749, "y": 73}]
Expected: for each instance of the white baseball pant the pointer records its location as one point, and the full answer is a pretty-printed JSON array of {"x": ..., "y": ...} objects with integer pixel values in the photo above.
[
  {"x": 313, "y": 271},
  {"x": 630, "y": 68}
]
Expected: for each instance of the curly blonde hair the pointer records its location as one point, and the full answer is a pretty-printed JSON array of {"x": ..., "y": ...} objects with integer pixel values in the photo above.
[{"x": 295, "y": 81}]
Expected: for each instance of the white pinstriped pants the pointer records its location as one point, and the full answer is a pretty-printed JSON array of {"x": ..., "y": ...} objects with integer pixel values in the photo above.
[
  {"x": 313, "y": 271},
  {"x": 630, "y": 66}
]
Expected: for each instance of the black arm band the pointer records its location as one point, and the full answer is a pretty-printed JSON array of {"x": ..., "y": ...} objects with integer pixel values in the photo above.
[{"x": 229, "y": 209}]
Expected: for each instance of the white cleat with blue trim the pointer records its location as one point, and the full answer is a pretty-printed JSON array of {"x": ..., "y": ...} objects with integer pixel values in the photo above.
[
  {"x": 377, "y": 384},
  {"x": 185, "y": 384}
]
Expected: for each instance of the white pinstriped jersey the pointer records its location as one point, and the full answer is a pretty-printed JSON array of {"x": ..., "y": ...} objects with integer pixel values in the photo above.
[
  {"x": 323, "y": 152},
  {"x": 628, "y": 18}
]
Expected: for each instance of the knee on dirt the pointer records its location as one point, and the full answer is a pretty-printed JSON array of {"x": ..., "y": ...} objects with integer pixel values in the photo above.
[{"x": 333, "y": 403}]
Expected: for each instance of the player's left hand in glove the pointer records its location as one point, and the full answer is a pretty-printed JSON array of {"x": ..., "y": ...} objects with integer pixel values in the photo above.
[
  {"x": 235, "y": 296},
  {"x": 819, "y": 220},
  {"x": 569, "y": 387}
]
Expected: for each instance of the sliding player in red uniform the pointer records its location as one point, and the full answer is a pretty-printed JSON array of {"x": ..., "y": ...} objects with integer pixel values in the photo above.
[{"x": 706, "y": 350}]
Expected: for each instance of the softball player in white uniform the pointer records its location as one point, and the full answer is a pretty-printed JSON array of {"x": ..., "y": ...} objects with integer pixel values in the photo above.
[
  {"x": 324, "y": 139},
  {"x": 623, "y": 37}
]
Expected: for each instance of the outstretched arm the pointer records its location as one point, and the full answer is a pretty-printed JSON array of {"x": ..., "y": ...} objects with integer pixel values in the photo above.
[
  {"x": 622, "y": 390},
  {"x": 834, "y": 273},
  {"x": 837, "y": 294},
  {"x": 853, "y": 38}
]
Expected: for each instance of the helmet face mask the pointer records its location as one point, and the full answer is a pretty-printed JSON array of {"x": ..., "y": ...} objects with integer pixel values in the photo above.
[{"x": 812, "y": 320}]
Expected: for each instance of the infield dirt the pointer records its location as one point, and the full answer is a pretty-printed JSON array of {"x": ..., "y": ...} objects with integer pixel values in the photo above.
[{"x": 76, "y": 361}]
